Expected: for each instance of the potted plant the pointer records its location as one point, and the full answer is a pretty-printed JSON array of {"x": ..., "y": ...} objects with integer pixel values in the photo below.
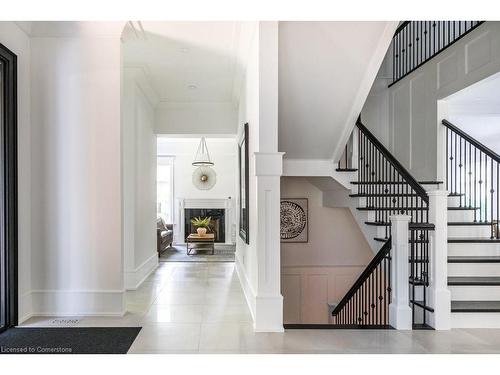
[{"x": 201, "y": 224}]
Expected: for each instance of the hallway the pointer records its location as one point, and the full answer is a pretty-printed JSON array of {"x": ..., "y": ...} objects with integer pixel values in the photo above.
[{"x": 200, "y": 308}]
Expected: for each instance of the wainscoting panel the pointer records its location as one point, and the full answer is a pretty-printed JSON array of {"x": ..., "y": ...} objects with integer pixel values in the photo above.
[
  {"x": 478, "y": 52},
  {"x": 418, "y": 134},
  {"x": 401, "y": 117},
  {"x": 308, "y": 290}
]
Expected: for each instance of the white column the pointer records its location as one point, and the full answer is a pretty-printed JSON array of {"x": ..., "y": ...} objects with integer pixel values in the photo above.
[
  {"x": 439, "y": 293},
  {"x": 268, "y": 300},
  {"x": 400, "y": 316}
]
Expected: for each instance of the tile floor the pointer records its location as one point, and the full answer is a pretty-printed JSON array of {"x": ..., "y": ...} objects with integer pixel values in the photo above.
[{"x": 200, "y": 308}]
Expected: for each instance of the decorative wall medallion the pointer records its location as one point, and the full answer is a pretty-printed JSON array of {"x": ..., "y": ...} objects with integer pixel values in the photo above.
[
  {"x": 204, "y": 178},
  {"x": 293, "y": 220}
]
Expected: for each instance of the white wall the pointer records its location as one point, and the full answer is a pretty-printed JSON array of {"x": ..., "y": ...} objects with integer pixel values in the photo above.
[
  {"x": 248, "y": 112},
  {"x": 139, "y": 177},
  {"x": 18, "y": 42},
  {"x": 196, "y": 118},
  {"x": 323, "y": 269},
  {"x": 223, "y": 152},
  {"x": 476, "y": 110},
  {"x": 77, "y": 265},
  {"x": 414, "y": 124}
]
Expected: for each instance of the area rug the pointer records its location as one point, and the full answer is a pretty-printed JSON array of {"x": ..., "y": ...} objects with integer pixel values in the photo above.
[
  {"x": 223, "y": 253},
  {"x": 68, "y": 340}
]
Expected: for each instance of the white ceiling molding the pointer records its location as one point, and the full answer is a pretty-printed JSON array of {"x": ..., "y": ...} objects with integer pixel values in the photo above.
[
  {"x": 141, "y": 78},
  {"x": 69, "y": 29}
]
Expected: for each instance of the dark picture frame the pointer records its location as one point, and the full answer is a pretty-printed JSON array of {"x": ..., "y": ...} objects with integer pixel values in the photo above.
[
  {"x": 243, "y": 185},
  {"x": 8, "y": 176},
  {"x": 301, "y": 205}
]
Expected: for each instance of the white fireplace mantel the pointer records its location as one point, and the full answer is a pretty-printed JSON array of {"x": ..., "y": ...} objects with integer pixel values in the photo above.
[{"x": 223, "y": 203}]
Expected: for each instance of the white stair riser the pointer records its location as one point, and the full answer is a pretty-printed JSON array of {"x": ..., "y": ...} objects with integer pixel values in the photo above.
[
  {"x": 454, "y": 201},
  {"x": 473, "y": 269},
  {"x": 475, "y": 320},
  {"x": 474, "y": 293},
  {"x": 469, "y": 231},
  {"x": 474, "y": 249},
  {"x": 381, "y": 231},
  {"x": 461, "y": 215}
]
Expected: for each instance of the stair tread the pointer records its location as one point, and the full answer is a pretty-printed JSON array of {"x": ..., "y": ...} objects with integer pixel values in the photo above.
[
  {"x": 468, "y": 223},
  {"x": 380, "y": 239},
  {"x": 474, "y": 280},
  {"x": 378, "y": 223},
  {"x": 346, "y": 169},
  {"x": 475, "y": 306},
  {"x": 382, "y": 195},
  {"x": 473, "y": 240},
  {"x": 463, "y": 208},
  {"x": 456, "y": 194},
  {"x": 400, "y": 209},
  {"x": 474, "y": 259}
]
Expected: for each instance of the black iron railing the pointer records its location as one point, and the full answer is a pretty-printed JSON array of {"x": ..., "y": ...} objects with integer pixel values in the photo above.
[
  {"x": 472, "y": 174},
  {"x": 366, "y": 304},
  {"x": 416, "y": 42},
  {"x": 388, "y": 187},
  {"x": 419, "y": 272}
]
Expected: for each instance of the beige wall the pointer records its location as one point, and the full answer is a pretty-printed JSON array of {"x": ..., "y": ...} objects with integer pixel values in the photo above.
[{"x": 323, "y": 269}]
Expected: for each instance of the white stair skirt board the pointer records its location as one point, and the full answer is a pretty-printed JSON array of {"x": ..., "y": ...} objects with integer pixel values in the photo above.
[
  {"x": 461, "y": 215},
  {"x": 78, "y": 302},
  {"x": 474, "y": 249},
  {"x": 475, "y": 320},
  {"x": 134, "y": 278},
  {"x": 474, "y": 293},
  {"x": 469, "y": 231},
  {"x": 473, "y": 269}
]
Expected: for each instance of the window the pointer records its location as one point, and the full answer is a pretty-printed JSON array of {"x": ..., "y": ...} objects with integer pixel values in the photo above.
[{"x": 165, "y": 188}]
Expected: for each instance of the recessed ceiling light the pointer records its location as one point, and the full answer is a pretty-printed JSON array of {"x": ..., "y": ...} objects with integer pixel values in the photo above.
[
  {"x": 184, "y": 50},
  {"x": 192, "y": 87}
]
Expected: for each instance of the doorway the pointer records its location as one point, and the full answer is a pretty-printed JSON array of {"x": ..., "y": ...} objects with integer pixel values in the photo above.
[{"x": 8, "y": 189}]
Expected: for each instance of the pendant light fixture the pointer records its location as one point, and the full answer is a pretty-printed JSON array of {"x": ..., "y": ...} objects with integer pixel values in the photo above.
[{"x": 202, "y": 157}]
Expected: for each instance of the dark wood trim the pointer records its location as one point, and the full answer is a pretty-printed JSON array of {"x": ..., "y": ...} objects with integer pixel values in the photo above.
[
  {"x": 9, "y": 175},
  {"x": 492, "y": 154},
  {"x": 244, "y": 229},
  {"x": 333, "y": 326}
]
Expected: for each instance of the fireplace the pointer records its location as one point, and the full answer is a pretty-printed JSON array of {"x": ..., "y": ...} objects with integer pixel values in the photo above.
[{"x": 217, "y": 225}]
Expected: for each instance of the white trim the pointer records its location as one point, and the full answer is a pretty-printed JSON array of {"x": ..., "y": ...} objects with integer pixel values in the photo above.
[
  {"x": 134, "y": 279},
  {"x": 248, "y": 290},
  {"x": 78, "y": 302}
]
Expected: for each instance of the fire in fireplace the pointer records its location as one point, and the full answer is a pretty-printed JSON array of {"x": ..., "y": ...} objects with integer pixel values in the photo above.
[{"x": 217, "y": 225}]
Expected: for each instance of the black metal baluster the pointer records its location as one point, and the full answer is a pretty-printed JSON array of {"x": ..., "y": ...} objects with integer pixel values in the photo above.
[
  {"x": 460, "y": 171},
  {"x": 480, "y": 190},
  {"x": 470, "y": 176},
  {"x": 475, "y": 183}
]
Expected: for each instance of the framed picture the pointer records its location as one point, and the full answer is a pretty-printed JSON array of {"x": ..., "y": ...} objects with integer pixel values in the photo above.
[
  {"x": 294, "y": 220},
  {"x": 243, "y": 179}
]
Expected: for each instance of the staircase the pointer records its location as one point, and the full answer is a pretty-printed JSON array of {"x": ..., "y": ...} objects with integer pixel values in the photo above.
[
  {"x": 382, "y": 188},
  {"x": 473, "y": 239}
]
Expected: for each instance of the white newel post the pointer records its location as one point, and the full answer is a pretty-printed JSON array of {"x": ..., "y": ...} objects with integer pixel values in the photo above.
[
  {"x": 439, "y": 293},
  {"x": 400, "y": 316}
]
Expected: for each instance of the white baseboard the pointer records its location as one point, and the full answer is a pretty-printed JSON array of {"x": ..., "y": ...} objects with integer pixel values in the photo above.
[
  {"x": 134, "y": 279},
  {"x": 25, "y": 307},
  {"x": 246, "y": 286},
  {"x": 78, "y": 303}
]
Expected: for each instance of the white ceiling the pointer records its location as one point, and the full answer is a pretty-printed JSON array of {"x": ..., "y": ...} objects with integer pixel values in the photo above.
[
  {"x": 326, "y": 70},
  {"x": 187, "y": 61}
]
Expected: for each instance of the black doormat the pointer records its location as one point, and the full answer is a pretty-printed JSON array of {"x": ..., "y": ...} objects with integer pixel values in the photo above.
[{"x": 68, "y": 340}]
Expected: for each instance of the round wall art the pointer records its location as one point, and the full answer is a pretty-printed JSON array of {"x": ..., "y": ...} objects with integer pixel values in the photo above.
[
  {"x": 293, "y": 220},
  {"x": 204, "y": 178}
]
